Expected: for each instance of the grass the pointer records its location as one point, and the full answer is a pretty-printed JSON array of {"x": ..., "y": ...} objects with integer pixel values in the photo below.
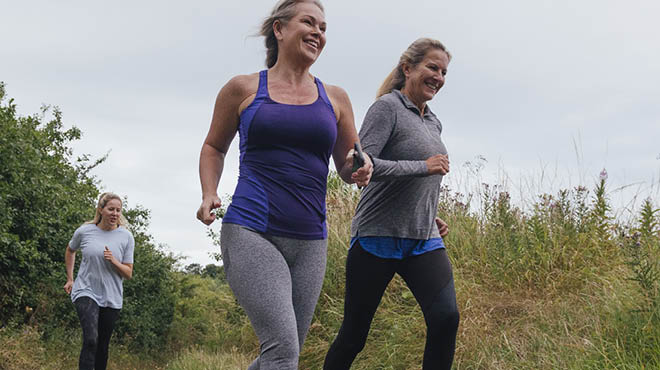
[{"x": 557, "y": 284}]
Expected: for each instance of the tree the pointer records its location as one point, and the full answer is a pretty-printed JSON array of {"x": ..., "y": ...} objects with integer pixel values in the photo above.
[{"x": 44, "y": 195}]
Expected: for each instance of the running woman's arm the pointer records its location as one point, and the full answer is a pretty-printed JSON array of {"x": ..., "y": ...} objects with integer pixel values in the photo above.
[
  {"x": 347, "y": 136},
  {"x": 228, "y": 104},
  {"x": 377, "y": 128},
  {"x": 124, "y": 269},
  {"x": 69, "y": 262}
]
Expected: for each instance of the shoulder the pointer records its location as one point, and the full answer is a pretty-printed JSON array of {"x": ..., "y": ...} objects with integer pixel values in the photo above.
[
  {"x": 390, "y": 99},
  {"x": 385, "y": 105},
  {"x": 241, "y": 86},
  {"x": 337, "y": 94},
  {"x": 124, "y": 231},
  {"x": 86, "y": 228},
  {"x": 340, "y": 101}
]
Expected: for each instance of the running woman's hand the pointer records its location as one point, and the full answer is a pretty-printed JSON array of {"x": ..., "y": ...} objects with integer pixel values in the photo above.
[
  {"x": 438, "y": 164},
  {"x": 443, "y": 228},
  {"x": 107, "y": 254},
  {"x": 363, "y": 174},
  {"x": 204, "y": 213},
  {"x": 68, "y": 286}
]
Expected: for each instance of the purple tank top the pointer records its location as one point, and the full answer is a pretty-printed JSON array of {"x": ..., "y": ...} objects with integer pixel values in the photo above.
[{"x": 284, "y": 155}]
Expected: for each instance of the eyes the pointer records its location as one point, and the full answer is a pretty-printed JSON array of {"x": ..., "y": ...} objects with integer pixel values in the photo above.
[
  {"x": 436, "y": 68},
  {"x": 312, "y": 22}
]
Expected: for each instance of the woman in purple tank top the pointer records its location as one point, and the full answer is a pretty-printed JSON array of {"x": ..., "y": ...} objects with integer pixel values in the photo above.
[{"x": 274, "y": 233}]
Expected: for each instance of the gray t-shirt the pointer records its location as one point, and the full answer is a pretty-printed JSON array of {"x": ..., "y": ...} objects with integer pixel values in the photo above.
[
  {"x": 97, "y": 278},
  {"x": 402, "y": 198}
]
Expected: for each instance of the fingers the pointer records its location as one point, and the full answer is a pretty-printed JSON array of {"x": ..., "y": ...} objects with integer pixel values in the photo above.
[
  {"x": 363, "y": 174},
  {"x": 107, "y": 254},
  {"x": 444, "y": 163},
  {"x": 204, "y": 213},
  {"x": 443, "y": 228},
  {"x": 438, "y": 164}
]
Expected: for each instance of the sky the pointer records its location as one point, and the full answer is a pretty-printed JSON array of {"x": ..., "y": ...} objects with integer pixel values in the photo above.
[{"x": 540, "y": 95}]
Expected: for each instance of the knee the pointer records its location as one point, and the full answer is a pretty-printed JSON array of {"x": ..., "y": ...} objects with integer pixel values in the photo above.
[
  {"x": 442, "y": 319},
  {"x": 90, "y": 343}
]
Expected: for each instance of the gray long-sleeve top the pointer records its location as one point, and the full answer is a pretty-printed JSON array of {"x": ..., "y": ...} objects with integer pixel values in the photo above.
[{"x": 402, "y": 198}]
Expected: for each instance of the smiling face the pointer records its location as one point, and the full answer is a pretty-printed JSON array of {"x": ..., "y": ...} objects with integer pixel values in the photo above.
[
  {"x": 110, "y": 213},
  {"x": 304, "y": 35},
  {"x": 425, "y": 79}
]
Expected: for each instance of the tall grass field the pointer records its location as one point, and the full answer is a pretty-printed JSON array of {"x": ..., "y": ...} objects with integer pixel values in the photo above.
[{"x": 559, "y": 283}]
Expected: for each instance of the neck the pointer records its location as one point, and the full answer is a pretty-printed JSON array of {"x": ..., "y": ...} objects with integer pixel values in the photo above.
[
  {"x": 420, "y": 105},
  {"x": 291, "y": 72},
  {"x": 107, "y": 226}
]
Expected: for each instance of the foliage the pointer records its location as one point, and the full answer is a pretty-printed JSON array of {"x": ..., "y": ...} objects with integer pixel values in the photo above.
[
  {"x": 207, "y": 314},
  {"x": 44, "y": 195},
  {"x": 210, "y": 270},
  {"x": 559, "y": 244},
  {"x": 150, "y": 296},
  {"x": 557, "y": 284},
  {"x": 642, "y": 248}
]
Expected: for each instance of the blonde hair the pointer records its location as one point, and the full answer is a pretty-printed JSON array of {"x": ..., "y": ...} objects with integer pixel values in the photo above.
[
  {"x": 412, "y": 57},
  {"x": 103, "y": 201},
  {"x": 283, "y": 11}
]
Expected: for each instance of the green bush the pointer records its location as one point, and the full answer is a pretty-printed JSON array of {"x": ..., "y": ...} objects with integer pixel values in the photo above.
[{"x": 44, "y": 196}]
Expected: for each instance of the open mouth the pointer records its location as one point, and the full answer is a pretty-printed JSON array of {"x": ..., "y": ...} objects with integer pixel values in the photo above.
[
  {"x": 312, "y": 43},
  {"x": 433, "y": 86}
]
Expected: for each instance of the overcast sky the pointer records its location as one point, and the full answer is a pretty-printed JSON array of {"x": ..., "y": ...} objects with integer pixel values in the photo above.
[{"x": 548, "y": 92}]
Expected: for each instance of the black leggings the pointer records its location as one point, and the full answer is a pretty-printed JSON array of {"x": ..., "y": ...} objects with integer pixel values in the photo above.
[
  {"x": 430, "y": 279},
  {"x": 97, "y": 324}
]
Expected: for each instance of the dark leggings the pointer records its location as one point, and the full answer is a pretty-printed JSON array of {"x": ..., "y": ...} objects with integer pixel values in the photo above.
[
  {"x": 97, "y": 324},
  {"x": 430, "y": 279}
]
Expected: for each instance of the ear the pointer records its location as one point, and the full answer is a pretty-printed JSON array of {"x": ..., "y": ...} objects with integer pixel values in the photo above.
[
  {"x": 277, "y": 29},
  {"x": 405, "y": 68}
]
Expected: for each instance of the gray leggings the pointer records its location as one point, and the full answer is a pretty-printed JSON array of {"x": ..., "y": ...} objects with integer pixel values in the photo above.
[{"x": 277, "y": 281}]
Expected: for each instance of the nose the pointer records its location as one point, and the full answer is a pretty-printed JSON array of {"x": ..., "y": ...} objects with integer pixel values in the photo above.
[{"x": 440, "y": 78}]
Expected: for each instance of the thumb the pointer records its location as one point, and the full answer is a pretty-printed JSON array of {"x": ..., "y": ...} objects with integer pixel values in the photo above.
[{"x": 106, "y": 248}]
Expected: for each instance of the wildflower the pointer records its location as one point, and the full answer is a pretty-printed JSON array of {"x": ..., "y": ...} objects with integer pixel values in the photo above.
[{"x": 603, "y": 174}]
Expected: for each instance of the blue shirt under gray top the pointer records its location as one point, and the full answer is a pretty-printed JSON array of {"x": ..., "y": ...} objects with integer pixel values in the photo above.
[
  {"x": 97, "y": 278},
  {"x": 401, "y": 201}
]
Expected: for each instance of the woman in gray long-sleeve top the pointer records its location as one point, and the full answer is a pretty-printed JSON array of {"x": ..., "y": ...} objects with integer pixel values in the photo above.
[{"x": 395, "y": 229}]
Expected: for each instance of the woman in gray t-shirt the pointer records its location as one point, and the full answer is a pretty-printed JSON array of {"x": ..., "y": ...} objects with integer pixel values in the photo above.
[
  {"x": 107, "y": 259},
  {"x": 395, "y": 229}
]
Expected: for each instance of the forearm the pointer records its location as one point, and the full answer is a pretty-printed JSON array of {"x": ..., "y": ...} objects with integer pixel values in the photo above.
[
  {"x": 69, "y": 262},
  {"x": 211, "y": 164},
  {"x": 386, "y": 170},
  {"x": 125, "y": 270}
]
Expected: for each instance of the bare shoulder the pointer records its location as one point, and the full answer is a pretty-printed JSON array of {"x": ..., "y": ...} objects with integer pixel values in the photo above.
[
  {"x": 337, "y": 94},
  {"x": 340, "y": 101},
  {"x": 241, "y": 86}
]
